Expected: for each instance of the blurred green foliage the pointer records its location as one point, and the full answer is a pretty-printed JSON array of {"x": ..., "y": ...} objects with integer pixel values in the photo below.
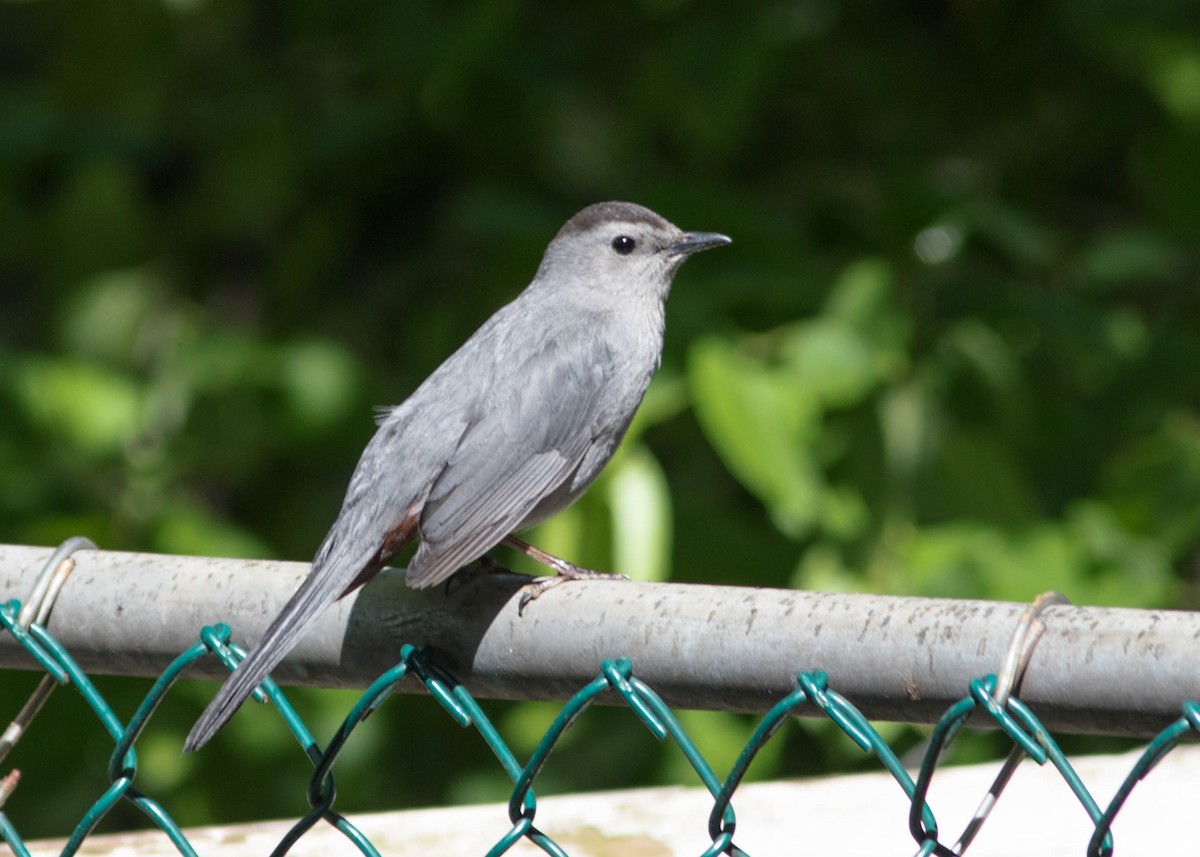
[{"x": 954, "y": 349}]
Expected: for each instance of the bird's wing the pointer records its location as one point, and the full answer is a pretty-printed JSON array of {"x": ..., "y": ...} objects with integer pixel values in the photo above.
[{"x": 521, "y": 448}]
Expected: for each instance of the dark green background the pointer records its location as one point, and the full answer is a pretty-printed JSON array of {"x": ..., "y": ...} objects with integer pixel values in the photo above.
[{"x": 954, "y": 349}]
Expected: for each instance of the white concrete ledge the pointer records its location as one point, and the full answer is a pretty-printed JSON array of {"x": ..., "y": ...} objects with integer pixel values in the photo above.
[{"x": 851, "y": 815}]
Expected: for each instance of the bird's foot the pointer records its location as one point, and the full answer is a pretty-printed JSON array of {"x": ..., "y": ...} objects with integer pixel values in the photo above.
[
  {"x": 565, "y": 571},
  {"x": 481, "y": 567}
]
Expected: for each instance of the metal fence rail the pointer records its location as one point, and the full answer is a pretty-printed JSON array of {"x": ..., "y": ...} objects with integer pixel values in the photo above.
[{"x": 650, "y": 647}]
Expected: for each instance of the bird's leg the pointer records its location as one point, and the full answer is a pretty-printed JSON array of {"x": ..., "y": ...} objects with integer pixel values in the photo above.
[
  {"x": 485, "y": 565},
  {"x": 563, "y": 571}
]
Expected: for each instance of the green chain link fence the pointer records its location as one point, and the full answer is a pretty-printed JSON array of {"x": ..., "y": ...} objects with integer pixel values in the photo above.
[{"x": 987, "y": 694}]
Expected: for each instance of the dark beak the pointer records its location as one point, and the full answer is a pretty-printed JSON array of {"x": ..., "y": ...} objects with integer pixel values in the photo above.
[{"x": 694, "y": 242}]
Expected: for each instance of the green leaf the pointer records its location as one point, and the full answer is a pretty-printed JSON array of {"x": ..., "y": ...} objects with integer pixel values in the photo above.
[
  {"x": 666, "y": 397},
  {"x": 856, "y": 341},
  {"x": 320, "y": 380},
  {"x": 111, "y": 313},
  {"x": 193, "y": 531},
  {"x": 89, "y": 405},
  {"x": 1130, "y": 255},
  {"x": 640, "y": 503},
  {"x": 1087, "y": 555},
  {"x": 861, "y": 295},
  {"x": 831, "y": 363},
  {"x": 1154, "y": 485},
  {"x": 763, "y": 427}
]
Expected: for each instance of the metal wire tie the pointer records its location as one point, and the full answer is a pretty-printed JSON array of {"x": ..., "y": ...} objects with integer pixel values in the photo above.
[
  {"x": 1008, "y": 681},
  {"x": 37, "y": 609}
]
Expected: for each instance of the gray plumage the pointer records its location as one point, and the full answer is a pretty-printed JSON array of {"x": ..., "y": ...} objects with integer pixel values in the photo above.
[{"x": 512, "y": 428}]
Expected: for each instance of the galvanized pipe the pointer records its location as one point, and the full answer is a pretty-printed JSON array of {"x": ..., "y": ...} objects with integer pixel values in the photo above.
[{"x": 1095, "y": 670}]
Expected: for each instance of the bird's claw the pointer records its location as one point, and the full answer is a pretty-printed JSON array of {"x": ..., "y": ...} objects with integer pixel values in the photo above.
[{"x": 540, "y": 585}]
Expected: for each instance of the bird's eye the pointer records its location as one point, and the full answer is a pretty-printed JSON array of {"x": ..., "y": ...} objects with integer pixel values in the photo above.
[{"x": 623, "y": 244}]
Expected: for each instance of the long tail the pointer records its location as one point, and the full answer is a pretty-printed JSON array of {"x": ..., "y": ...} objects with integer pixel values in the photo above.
[{"x": 335, "y": 572}]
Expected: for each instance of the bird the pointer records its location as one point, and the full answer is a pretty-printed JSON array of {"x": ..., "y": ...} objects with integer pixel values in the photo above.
[{"x": 512, "y": 428}]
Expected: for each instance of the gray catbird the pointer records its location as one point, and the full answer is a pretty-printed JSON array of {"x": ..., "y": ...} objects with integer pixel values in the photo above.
[{"x": 511, "y": 429}]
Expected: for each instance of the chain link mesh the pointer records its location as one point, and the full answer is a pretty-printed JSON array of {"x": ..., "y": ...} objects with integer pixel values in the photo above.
[{"x": 1030, "y": 739}]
